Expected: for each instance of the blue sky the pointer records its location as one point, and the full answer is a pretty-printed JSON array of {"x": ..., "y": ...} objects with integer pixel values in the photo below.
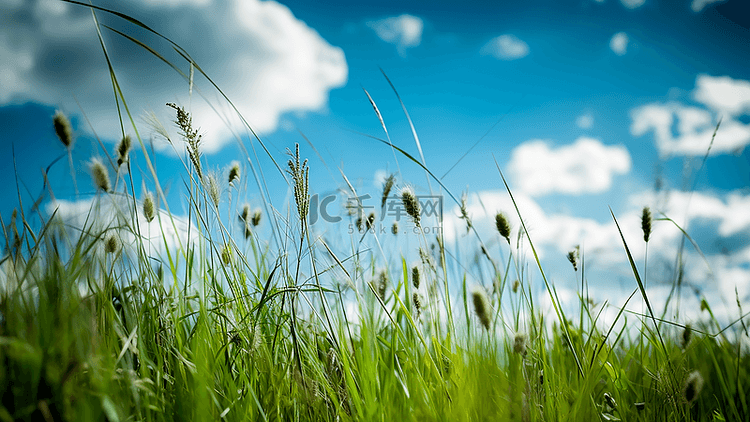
[{"x": 584, "y": 104}]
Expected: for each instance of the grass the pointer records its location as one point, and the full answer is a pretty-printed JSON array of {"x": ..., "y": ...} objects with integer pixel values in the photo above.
[{"x": 115, "y": 320}]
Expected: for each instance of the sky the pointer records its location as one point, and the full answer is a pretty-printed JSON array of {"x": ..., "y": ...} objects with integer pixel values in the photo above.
[{"x": 584, "y": 105}]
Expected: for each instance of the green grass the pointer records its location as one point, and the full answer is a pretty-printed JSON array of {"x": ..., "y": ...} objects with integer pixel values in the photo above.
[{"x": 280, "y": 325}]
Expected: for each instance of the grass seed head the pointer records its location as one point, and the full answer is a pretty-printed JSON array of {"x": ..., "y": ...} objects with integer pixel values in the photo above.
[
  {"x": 226, "y": 254},
  {"x": 426, "y": 258},
  {"x": 244, "y": 213},
  {"x": 516, "y": 285},
  {"x": 211, "y": 184},
  {"x": 370, "y": 222},
  {"x": 693, "y": 386},
  {"x": 300, "y": 175},
  {"x": 234, "y": 172},
  {"x": 255, "y": 220},
  {"x": 519, "y": 344},
  {"x": 387, "y": 186},
  {"x": 411, "y": 204},
  {"x": 573, "y": 257},
  {"x": 100, "y": 175},
  {"x": 482, "y": 307},
  {"x": 63, "y": 129},
  {"x": 417, "y": 302},
  {"x": 415, "y": 277},
  {"x": 111, "y": 243},
  {"x": 687, "y": 334},
  {"x": 192, "y": 138},
  {"x": 148, "y": 207},
  {"x": 646, "y": 223},
  {"x": 380, "y": 285},
  {"x": 464, "y": 211},
  {"x": 502, "y": 226},
  {"x": 123, "y": 150}
]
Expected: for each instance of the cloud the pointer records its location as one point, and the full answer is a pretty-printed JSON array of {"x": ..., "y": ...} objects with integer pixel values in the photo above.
[
  {"x": 698, "y": 5},
  {"x": 585, "y": 121},
  {"x": 105, "y": 213},
  {"x": 695, "y": 126},
  {"x": 728, "y": 212},
  {"x": 727, "y": 96},
  {"x": 403, "y": 31},
  {"x": 552, "y": 234},
  {"x": 619, "y": 43},
  {"x": 632, "y": 4},
  {"x": 725, "y": 214},
  {"x": 506, "y": 47},
  {"x": 607, "y": 266},
  {"x": 266, "y": 60},
  {"x": 586, "y": 166}
]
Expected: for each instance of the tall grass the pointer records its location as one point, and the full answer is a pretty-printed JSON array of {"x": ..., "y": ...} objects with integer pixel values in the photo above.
[{"x": 113, "y": 319}]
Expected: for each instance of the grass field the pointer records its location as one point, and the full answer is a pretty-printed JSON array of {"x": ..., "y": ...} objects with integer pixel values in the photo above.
[{"x": 118, "y": 320}]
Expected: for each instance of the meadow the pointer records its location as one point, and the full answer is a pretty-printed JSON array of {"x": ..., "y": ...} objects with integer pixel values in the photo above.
[{"x": 255, "y": 316}]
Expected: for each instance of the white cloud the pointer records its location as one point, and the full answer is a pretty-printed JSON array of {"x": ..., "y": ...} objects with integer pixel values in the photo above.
[
  {"x": 619, "y": 43},
  {"x": 556, "y": 234},
  {"x": 404, "y": 31},
  {"x": 729, "y": 212},
  {"x": 698, "y": 5},
  {"x": 265, "y": 59},
  {"x": 506, "y": 47},
  {"x": 585, "y": 121},
  {"x": 695, "y": 126},
  {"x": 562, "y": 232},
  {"x": 727, "y": 96},
  {"x": 632, "y": 4},
  {"x": 102, "y": 213},
  {"x": 552, "y": 234},
  {"x": 586, "y": 166}
]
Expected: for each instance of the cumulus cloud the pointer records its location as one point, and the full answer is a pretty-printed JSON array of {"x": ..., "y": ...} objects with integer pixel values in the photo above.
[
  {"x": 632, "y": 4},
  {"x": 264, "y": 58},
  {"x": 585, "y": 121},
  {"x": 506, "y": 47},
  {"x": 699, "y": 5},
  {"x": 619, "y": 43},
  {"x": 727, "y": 96},
  {"x": 586, "y": 166},
  {"x": 551, "y": 233},
  {"x": 102, "y": 214},
  {"x": 555, "y": 234},
  {"x": 403, "y": 31},
  {"x": 729, "y": 212},
  {"x": 722, "y": 96},
  {"x": 561, "y": 232}
]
